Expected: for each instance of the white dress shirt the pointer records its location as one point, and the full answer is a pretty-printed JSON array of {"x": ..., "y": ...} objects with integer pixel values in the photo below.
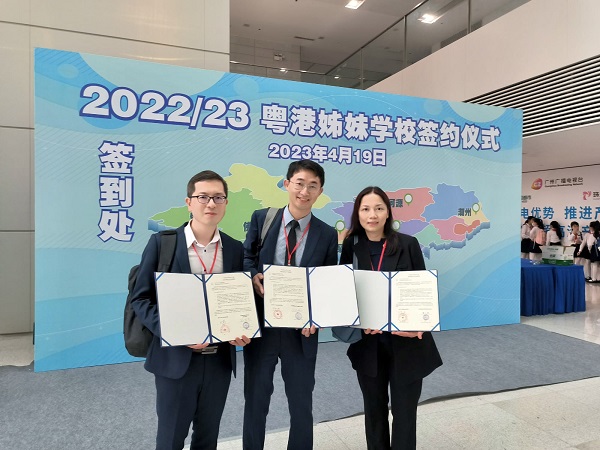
[{"x": 204, "y": 253}]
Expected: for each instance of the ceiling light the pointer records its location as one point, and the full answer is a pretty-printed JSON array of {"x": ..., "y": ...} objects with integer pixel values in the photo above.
[
  {"x": 428, "y": 18},
  {"x": 337, "y": 77},
  {"x": 354, "y": 4},
  {"x": 284, "y": 70}
]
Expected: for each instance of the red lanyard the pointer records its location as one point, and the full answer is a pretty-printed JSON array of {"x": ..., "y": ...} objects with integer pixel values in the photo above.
[
  {"x": 287, "y": 243},
  {"x": 380, "y": 258},
  {"x": 202, "y": 262}
]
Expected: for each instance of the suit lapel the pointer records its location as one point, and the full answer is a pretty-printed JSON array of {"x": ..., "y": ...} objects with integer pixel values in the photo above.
[
  {"x": 390, "y": 262},
  {"x": 361, "y": 250},
  {"x": 270, "y": 244},
  {"x": 227, "y": 259},
  {"x": 181, "y": 253},
  {"x": 311, "y": 241}
]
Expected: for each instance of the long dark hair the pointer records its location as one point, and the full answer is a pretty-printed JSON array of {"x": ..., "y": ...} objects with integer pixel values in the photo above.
[
  {"x": 356, "y": 229},
  {"x": 554, "y": 224},
  {"x": 539, "y": 222},
  {"x": 595, "y": 225}
]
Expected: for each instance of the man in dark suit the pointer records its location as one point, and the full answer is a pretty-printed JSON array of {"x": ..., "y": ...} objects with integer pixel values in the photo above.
[
  {"x": 191, "y": 382},
  {"x": 296, "y": 237}
]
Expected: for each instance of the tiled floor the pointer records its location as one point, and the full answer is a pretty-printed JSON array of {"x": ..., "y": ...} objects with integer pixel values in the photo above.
[
  {"x": 16, "y": 349},
  {"x": 560, "y": 416}
]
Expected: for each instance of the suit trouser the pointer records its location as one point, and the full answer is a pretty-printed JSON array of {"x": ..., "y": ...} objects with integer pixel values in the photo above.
[
  {"x": 298, "y": 373},
  {"x": 405, "y": 398},
  {"x": 198, "y": 398}
]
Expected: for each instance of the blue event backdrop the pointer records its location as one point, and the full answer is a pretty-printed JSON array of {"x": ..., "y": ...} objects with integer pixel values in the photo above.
[{"x": 116, "y": 141}]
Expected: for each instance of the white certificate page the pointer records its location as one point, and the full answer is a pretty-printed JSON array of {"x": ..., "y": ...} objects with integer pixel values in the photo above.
[
  {"x": 372, "y": 293},
  {"x": 415, "y": 301},
  {"x": 231, "y": 306},
  {"x": 181, "y": 309},
  {"x": 286, "y": 297},
  {"x": 332, "y": 296}
]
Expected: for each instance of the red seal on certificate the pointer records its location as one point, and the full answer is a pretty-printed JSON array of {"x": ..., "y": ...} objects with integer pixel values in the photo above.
[
  {"x": 277, "y": 314},
  {"x": 402, "y": 317},
  {"x": 224, "y": 328}
]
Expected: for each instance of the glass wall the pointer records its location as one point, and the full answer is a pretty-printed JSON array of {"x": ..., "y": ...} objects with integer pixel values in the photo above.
[
  {"x": 348, "y": 73},
  {"x": 429, "y": 27},
  {"x": 383, "y": 56},
  {"x": 486, "y": 11}
]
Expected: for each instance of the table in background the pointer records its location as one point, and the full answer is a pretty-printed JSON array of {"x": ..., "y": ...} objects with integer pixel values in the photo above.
[{"x": 550, "y": 289}]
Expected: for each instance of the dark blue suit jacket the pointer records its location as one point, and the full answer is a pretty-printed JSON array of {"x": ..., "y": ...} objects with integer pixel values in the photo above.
[
  {"x": 320, "y": 250},
  {"x": 173, "y": 362}
]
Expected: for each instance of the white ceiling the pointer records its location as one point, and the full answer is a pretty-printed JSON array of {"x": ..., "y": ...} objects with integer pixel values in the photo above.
[
  {"x": 569, "y": 148},
  {"x": 337, "y": 32}
]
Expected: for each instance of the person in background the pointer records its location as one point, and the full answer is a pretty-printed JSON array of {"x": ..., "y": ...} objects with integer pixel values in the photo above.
[
  {"x": 575, "y": 241},
  {"x": 555, "y": 234},
  {"x": 526, "y": 243},
  {"x": 396, "y": 361},
  {"x": 538, "y": 238},
  {"x": 590, "y": 253}
]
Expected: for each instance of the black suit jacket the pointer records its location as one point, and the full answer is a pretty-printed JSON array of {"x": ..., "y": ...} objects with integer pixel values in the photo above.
[
  {"x": 413, "y": 358},
  {"x": 173, "y": 362},
  {"x": 320, "y": 250}
]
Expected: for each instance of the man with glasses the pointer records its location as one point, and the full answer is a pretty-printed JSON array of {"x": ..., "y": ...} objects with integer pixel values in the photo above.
[
  {"x": 296, "y": 237},
  {"x": 191, "y": 382}
]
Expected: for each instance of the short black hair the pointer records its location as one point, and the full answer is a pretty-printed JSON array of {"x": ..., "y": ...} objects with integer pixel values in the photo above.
[
  {"x": 205, "y": 175},
  {"x": 306, "y": 164}
]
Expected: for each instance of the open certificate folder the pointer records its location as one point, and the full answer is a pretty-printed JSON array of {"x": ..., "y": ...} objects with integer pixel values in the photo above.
[
  {"x": 298, "y": 297},
  {"x": 398, "y": 301},
  {"x": 199, "y": 309}
]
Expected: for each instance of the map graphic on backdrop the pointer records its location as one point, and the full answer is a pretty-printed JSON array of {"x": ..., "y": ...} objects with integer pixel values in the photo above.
[
  {"x": 439, "y": 220},
  {"x": 116, "y": 141}
]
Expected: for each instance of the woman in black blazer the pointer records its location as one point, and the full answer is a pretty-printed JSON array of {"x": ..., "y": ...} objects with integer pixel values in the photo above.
[{"x": 399, "y": 360}]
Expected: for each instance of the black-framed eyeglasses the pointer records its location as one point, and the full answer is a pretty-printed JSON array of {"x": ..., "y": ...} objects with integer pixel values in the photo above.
[
  {"x": 204, "y": 199},
  {"x": 299, "y": 186}
]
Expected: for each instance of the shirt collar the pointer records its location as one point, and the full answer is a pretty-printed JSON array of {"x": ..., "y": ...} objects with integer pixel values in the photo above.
[
  {"x": 287, "y": 218},
  {"x": 191, "y": 239}
]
